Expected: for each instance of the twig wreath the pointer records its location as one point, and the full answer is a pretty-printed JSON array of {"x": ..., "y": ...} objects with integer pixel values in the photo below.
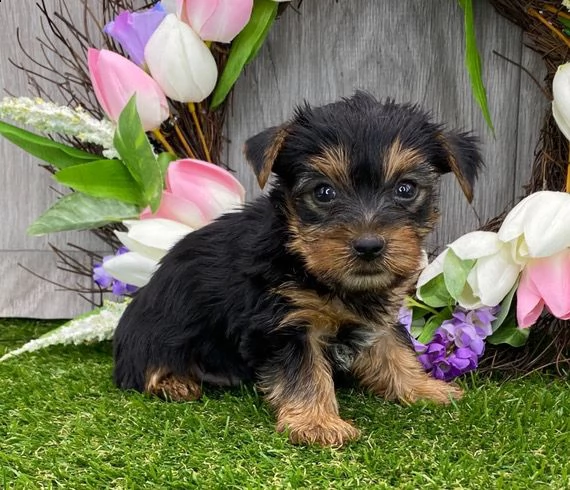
[{"x": 138, "y": 137}]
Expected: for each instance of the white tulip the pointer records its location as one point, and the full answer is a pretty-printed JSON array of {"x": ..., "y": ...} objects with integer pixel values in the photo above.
[
  {"x": 148, "y": 241},
  {"x": 180, "y": 62},
  {"x": 538, "y": 226},
  {"x": 491, "y": 278},
  {"x": 131, "y": 268},
  {"x": 561, "y": 98}
]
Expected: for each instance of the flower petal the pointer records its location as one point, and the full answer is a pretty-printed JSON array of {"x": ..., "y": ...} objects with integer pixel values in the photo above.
[
  {"x": 177, "y": 208},
  {"x": 561, "y": 121},
  {"x": 551, "y": 279},
  {"x": 131, "y": 268},
  {"x": 529, "y": 302},
  {"x": 132, "y": 30},
  {"x": 115, "y": 80},
  {"x": 493, "y": 277},
  {"x": 543, "y": 219},
  {"x": 180, "y": 62},
  {"x": 434, "y": 269},
  {"x": 153, "y": 238},
  {"x": 476, "y": 244},
  {"x": 468, "y": 300},
  {"x": 211, "y": 188},
  {"x": 218, "y": 20},
  {"x": 561, "y": 95}
]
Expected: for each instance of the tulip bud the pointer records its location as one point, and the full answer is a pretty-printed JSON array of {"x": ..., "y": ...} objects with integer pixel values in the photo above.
[
  {"x": 197, "y": 192},
  {"x": 217, "y": 20},
  {"x": 132, "y": 30},
  {"x": 180, "y": 62},
  {"x": 561, "y": 95},
  {"x": 115, "y": 80}
]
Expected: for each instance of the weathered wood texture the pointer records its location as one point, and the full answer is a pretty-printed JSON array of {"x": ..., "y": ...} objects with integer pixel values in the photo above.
[{"x": 411, "y": 50}]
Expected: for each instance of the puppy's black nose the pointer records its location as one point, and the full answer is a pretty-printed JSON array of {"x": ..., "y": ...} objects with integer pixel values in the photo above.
[{"x": 368, "y": 247}]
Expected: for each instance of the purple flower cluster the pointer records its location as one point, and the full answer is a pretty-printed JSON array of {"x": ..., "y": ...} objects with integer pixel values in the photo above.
[
  {"x": 104, "y": 280},
  {"x": 457, "y": 344}
]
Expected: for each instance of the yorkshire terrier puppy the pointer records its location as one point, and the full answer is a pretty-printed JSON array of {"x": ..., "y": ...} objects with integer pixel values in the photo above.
[{"x": 304, "y": 283}]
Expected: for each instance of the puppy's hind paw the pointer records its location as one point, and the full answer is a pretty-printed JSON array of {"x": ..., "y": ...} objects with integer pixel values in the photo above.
[{"x": 172, "y": 388}]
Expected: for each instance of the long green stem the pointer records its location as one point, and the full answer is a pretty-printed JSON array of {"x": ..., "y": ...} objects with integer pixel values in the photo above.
[{"x": 412, "y": 302}]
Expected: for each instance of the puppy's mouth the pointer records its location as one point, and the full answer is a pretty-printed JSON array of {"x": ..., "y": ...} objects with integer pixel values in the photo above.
[
  {"x": 367, "y": 275},
  {"x": 368, "y": 269}
]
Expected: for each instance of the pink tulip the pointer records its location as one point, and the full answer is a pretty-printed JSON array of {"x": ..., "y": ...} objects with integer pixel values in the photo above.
[
  {"x": 217, "y": 20},
  {"x": 196, "y": 193},
  {"x": 115, "y": 80},
  {"x": 544, "y": 282}
]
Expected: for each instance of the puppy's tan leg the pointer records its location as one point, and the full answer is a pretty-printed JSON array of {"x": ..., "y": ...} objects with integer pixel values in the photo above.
[
  {"x": 302, "y": 392},
  {"x": 389, "y": 368},
  {"x": 165, "y": 385}
]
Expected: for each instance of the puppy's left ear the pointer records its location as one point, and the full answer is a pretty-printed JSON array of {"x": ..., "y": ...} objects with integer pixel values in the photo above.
[
  {"x": 462, "y": 157},
  {"x": 262, "y": 149}
]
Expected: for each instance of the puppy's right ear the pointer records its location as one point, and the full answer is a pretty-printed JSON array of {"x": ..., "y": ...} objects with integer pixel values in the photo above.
[{"x": 261, "y": 151}]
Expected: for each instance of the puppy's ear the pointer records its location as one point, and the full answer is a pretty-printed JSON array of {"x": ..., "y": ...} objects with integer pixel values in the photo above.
[
  {"x": 261, "y": 151},
  {"x": 462, "y": 157}
]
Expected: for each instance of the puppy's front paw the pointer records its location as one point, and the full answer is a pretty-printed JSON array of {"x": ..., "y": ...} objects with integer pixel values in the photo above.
[
  {"x": 332, "y": 432},
  {"x": 435, "y": 391}
]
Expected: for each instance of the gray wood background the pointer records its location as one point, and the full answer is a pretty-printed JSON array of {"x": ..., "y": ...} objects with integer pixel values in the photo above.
[{"x": 411, "y": 50}]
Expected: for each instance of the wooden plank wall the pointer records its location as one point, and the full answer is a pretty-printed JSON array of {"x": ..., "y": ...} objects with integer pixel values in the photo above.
[{"x": 410, "y": 50}]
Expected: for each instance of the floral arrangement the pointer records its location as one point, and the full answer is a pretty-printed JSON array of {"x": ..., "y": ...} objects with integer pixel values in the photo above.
[
  {"x": 143, "y": 166},
  {"x": 140, "y": 160},
  {"x": 491, "y": 287}
]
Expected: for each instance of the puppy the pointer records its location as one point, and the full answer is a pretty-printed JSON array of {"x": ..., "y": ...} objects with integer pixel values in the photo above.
[{"x": 305, "y": 283}]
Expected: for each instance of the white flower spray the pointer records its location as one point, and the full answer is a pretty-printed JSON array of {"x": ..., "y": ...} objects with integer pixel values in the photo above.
[
  {"x": 48, "y": 117},
  {"x": 95, "y": 326}
]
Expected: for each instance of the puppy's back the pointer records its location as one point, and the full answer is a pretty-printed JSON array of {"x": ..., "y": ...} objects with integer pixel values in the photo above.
[{"x": 192, "y": 313}]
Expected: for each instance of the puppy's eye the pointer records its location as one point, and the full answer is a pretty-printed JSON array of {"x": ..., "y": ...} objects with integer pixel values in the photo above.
[
  {"x": 405, "y": 191},
  {"x": 324, "y": 193}
]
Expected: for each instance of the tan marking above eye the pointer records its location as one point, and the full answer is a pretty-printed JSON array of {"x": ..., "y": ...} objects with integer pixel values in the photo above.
[
  {"x": 398, "y": 160},
  {"x": 333, "y": 162}
]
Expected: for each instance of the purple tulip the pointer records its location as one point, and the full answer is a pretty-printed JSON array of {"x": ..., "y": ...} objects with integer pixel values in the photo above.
[{"x": 132, "y": 30}]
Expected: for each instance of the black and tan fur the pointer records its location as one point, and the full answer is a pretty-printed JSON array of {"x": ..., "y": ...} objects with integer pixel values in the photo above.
[{"x": 304, "y": 284}]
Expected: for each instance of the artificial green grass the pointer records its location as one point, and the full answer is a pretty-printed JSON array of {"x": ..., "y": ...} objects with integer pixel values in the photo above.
[{"x": 64, "y": 425}]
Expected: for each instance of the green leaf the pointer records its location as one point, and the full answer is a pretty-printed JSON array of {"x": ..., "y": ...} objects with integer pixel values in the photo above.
[
  {"x": 564, "y": 22},
  {"x": 136, "y": 152},
  {"x": 245, "y": 47},
  {"x": 505, "y": 308},
  {"x": 455, "y": 273},
  {"x": 78, "y": 211},
  {"x": 52, "y": 152},
  {"x": 473, "y": 62},
  {"x": 435, "y": 293},
  {"x": 164, "y": 160},
  {"x": 433, "y": 324},
  {"x": 105, "y": 178},
  {"x": 509, "y": 333},
  {"x": 417, "y": 327}
]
